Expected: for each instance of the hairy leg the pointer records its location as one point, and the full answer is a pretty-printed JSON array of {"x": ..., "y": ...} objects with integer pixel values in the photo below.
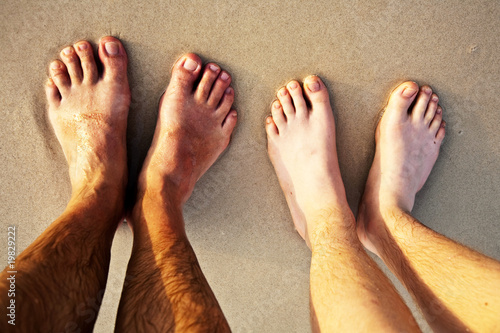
[
  {"x": 349, "y": 292},
  {"x": 456, "y": 287},
  {"x": 166, "y": 290},
  {"x": 61, "y": 277}
]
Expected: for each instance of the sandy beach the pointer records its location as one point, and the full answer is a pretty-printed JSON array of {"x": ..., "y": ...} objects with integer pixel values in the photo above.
[{"x": 237, "y": 219}]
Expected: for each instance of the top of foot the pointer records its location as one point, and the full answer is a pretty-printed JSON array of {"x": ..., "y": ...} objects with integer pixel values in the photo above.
[
  {"x": 88, "y": 111},
  {"x": 302, "y": 148},
  {"x": 195, "y": 123},
  {"x": 408, "y": 139}
]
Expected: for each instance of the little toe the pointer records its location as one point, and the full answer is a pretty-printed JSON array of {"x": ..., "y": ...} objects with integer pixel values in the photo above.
[
  {"x": 60, "y": 76},
  {"x": 208, "y": 78},
  {"x": 225, "y": 103},
  {"x": 436, "y": 121},
  {"x": 286, "y": 103},
  {"x": 271, "y": 128},
  {"x": 431, "y": 109},
  {"x": 114, "y": 59},
  {"x": 317, "y": 94},
  {"x": 87, "y": 61},
  {"x": 422, "y": 103},
  {"x": 298, "y": 98},
  {"x": 52, "y": 93},
  {"x": 219, "y": 87},
  {"x": 72, "y": 62},
  {"x": 278, "y": 116},
  {"x": 229, "y": 123},
  {"x": 184, "y": 73},
  {"x": 441, "y": 132},
  {"x": 401, "y": 99}
]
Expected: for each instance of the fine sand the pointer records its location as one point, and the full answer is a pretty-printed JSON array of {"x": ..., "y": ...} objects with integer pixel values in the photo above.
[{"x": 237, "y": 219}]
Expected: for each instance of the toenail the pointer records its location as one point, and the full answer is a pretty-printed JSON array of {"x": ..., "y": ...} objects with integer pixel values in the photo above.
[
  {"x": 228, "y": 91},
  {"x": 439, "y": 110},
  {"x": 426, "y": 90},
  {"x": 409, "y": 92},
  {"x": 293, "y": 85},
  {"x": 55, "y": 65},
  {"x": 435, "y": 98},
  {"x": 68, "y": 51},
  {"x": 283, "y": 92},
  {"x": 213, "y": 68},
  {"x": 276, "y": 105},
  {"x": 268, "y": 120},
  {"x": 313, "y": 85},
  {"x": 224, "y": 76},
  {"x": 82, "y": 46},
  {"x": 111, "y": 48},
  {"x": 190, "y": 65}
]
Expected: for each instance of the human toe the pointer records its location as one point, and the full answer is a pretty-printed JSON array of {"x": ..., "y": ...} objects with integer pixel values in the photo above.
[
  {"x": 210, "y": 74},
  {"x": 87, "y": 62},
  {"x": 317, "y": 94},
  {"x": 431, "y": 109},
  {"x": 286, "y": 103},
  {"x": 225, "y": 103},
  {"x": 72, "y": 62},
  {"x": 52, "y": 92},
  {"x": 299, "y": 102},
  {"x": 114, "y": 59},
  {"x": 229, "y": 124},
  {"x": 401, "y": 99},
  {"x": 422, "y": 103},
  {"x": 278, "y": 116},
  {"x": 437, "y": 121},
  {"x": 60, "y": 76},
  {"x": 221, "y": 84},
  {"x": 185, "y": 72},
  {"x": 271, "y": 128}
]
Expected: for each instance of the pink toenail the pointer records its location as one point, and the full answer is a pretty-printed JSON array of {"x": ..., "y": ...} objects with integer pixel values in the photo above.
[
  {"x": 438, "y": 111},
  {"x": 82, "y": 46},
  {"x": 229, "y": 90},
  {"x": 224, "y": 76},
  {"x": 68, "y": 51},
  {"x": 213, "y": 68},
  {"x": 435, "y": 98},
  {"x": 409, "y": 92},
  {"x": 111, "y": 48},
  {"x": 293, "y": 85},
  {"x": 276, "y": 105},
  {"x": 427, "y": 90},
  {"x": 283, "y": 92},
  {"x": 190, "y": 65},
  {"x": 55, "y": 65},
  {"x": 268, "y": 120},
  {"x": 313, "y": 86}
]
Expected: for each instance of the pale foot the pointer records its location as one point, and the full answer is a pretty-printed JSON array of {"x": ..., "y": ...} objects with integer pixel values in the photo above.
[
  {"x": 408, "y": 138},
  {"x": 88, "y": 111},
  {"x": 195, "y": 123},
  {"x": 302, "y": 148}
]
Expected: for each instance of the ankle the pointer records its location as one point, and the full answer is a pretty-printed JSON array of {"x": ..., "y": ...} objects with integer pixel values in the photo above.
[{"x": 156, "y": 210}]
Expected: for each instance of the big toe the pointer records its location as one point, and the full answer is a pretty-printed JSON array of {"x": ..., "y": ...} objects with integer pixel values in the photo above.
[
  {"x": 317, "y": 94},
  {"x": 185, "y": 72},
  {"x": 401, "y": 99},
  {"x": 114, "y": 59}
]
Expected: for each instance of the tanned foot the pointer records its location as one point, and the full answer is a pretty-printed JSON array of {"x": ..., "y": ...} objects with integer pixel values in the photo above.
[
  {"x": 88, "y": 111},
  {"x": 408, "y": 138},
  {"x": 195, "y": 123},
  {"x": 302, "y": 148}
]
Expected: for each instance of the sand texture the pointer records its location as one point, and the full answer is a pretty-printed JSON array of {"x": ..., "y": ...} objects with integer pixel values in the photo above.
[{"x": 237, "y": 218}]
